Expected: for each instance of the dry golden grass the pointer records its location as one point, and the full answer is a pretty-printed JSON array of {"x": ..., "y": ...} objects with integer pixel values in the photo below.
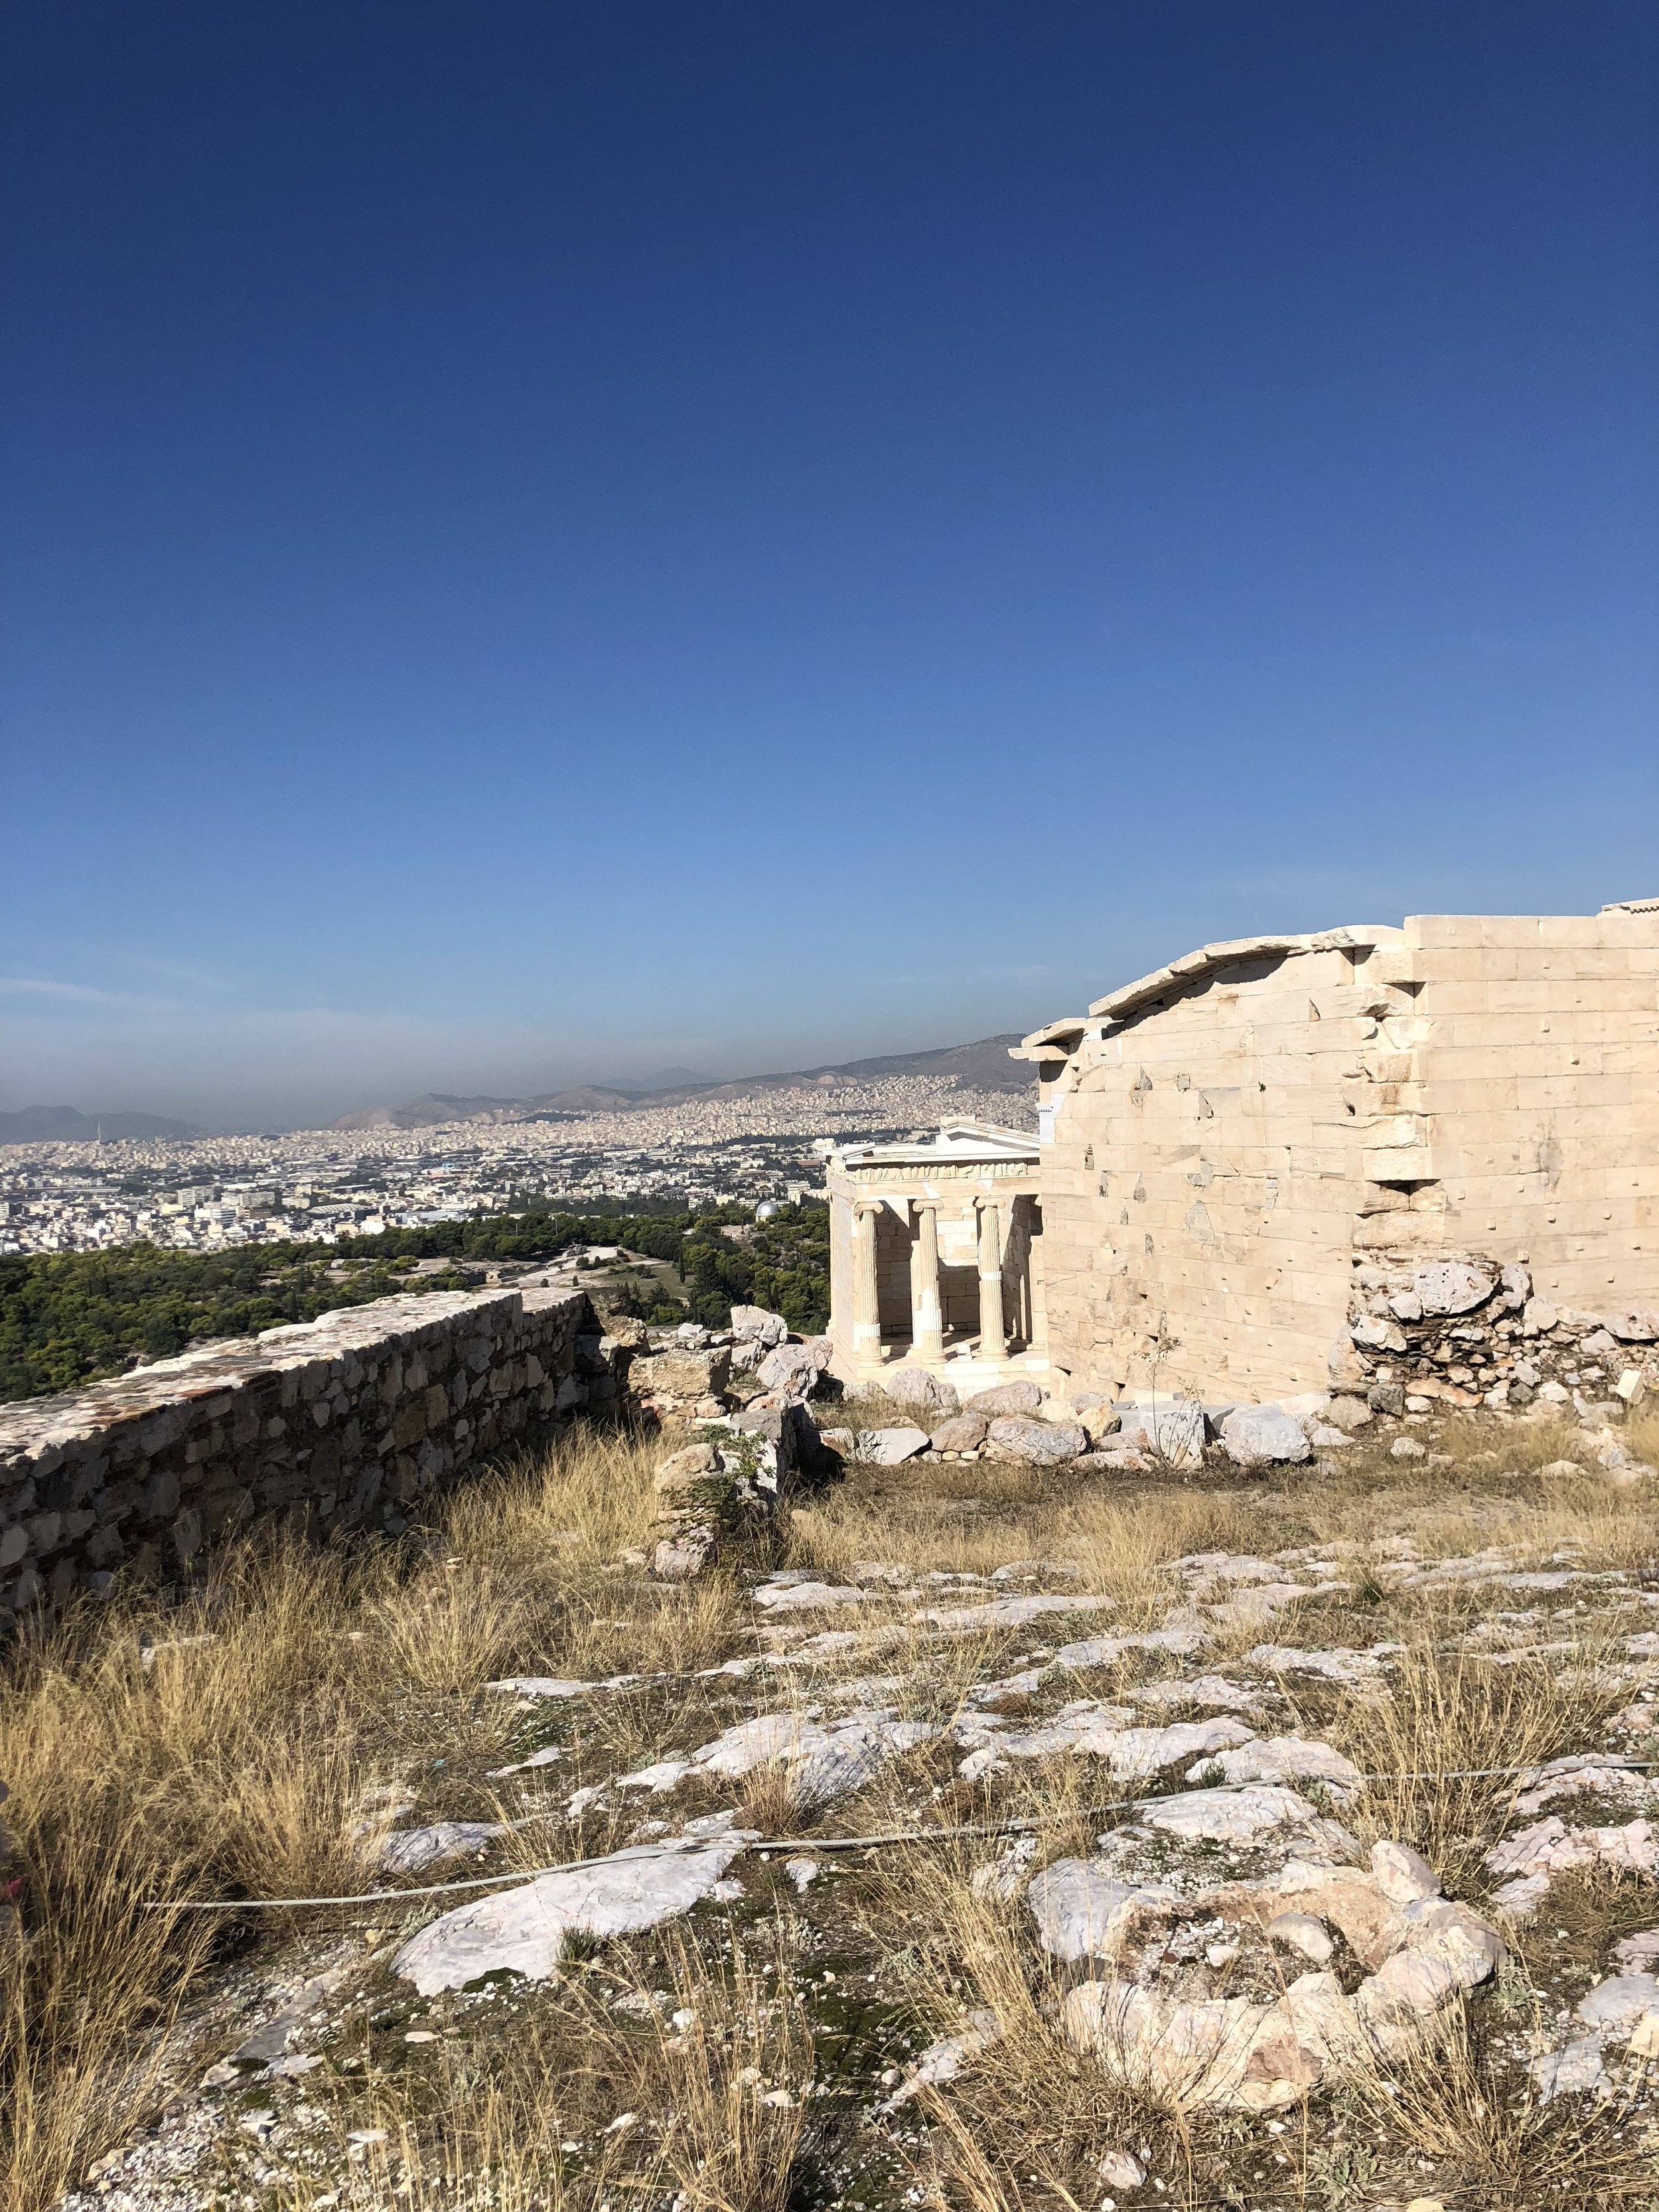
[
  {"x": 1454, "y": 1715},
  {"x": 244, "y": 1765},
  {"x": 529, "y": 2118},
  {"x": 237, "y": 1765}
]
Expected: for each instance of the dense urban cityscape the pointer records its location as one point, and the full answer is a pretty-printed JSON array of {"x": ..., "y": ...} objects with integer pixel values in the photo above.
[{"x": 210, "y": 1194}]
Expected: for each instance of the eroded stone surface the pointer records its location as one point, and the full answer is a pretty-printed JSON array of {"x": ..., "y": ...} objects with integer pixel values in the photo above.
[
  {"x": 1158, "y": 2025},
  {"x": 523, "y": 1931}
]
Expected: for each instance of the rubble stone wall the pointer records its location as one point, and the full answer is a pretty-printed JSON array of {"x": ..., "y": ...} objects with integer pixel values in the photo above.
[{"x": 340, "y": 1424}]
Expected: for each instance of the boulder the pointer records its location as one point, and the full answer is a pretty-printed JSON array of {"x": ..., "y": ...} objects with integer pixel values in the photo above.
[
  {"x": 962, "y": 1432},
  {"x": 683, "y": 1470},
  {"x": 1007, "y": 1398},
  {"x": 683, "y": 1374},
  {"x": 625, "y": 1330},
  {"x": 1452, "y": 1286},
  {"x": 1173, "y": 1433},
  {"x": 919, "y": 1391},
  {"x": 754, "y": 1325},
  {"x": 1402, "y": 1875},
  {"x": 1255, "y": 1436},
  {"x": 795, "y": 1368},
  {"x": 1038, "y": 1443},
  {"x": 890, "y": 1447},
  {"x": 1348, "y": 1413},
  {"x": 1634, "y": 1324}
]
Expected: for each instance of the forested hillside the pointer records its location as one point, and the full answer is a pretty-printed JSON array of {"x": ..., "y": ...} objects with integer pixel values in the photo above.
[{"x": 69, "y": 1318}]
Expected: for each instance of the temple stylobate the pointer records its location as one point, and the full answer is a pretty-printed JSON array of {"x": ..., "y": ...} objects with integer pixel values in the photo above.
[{"x": 935, "y": 1256}]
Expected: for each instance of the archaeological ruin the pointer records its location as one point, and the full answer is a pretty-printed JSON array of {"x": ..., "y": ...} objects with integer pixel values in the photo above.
[{"x": 1250, "y": 1161}]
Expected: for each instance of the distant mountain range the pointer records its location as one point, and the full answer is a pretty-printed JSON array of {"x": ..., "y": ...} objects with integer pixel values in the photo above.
[
  {"x": 983, "y": 1066},
  {"x": 62, "y": 1125}
]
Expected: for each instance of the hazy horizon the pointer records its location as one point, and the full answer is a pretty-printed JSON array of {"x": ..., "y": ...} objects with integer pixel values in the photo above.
[
  {"x": 646, "y": 1079},
  {"x": 545, "y": 543}
]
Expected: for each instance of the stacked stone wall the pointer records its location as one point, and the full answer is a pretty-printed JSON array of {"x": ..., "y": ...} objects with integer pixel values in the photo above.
[{"x": 344, "y": 1423}]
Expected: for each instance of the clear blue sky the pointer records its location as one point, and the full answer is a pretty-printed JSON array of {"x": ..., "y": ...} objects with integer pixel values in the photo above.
[{"x": 543, "y": 540}]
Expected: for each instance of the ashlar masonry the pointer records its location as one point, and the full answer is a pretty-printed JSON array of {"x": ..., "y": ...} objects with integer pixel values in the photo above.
[{"x": 1230, "y": 1148}]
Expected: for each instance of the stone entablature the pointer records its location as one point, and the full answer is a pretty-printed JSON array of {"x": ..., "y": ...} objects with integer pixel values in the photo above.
[
  {"x": 336, "y": 1424},
  {"x": 931, "y": 1248}
]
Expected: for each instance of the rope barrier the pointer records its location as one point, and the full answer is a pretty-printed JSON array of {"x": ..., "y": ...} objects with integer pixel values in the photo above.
[{"x": 1016, "y": 1824}]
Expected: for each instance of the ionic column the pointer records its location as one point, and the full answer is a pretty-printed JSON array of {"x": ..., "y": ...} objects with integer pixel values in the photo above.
[
  {"x": 926, "y": 1320},
  {"x": 992, "y": 1338},
  {"x": 866, "y": 1303}
]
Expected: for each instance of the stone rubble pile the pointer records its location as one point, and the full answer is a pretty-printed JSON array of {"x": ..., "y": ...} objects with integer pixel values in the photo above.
[
  {"x": 725, "y": 1497},
  {"x": 1462, "y": 1334}
]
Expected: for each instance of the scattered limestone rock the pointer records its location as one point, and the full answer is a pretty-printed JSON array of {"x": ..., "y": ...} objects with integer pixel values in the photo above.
[
  {"x": 892, "y": 1447},
  {"x": 1158, "y": 2025},
  {"x": 825, "y": 1762},
  {"x": 1257, "y": 1436},
  {"x": 1348, "y": 1413},
  {"x": 1213, "y": 1690},
  {"x": 1302, "y": 1933},
  {"x": 1005, "y": 1398},
  {"x": 961, "y": 1432},
  {"x": 795, "y": 1369},
  {"x": 1226, "y": 2053},
  {"x": 754, "y": 1325},
  {"x": 807, "y": 1596},
  {"x": 944, "y": 2061},
  {"x": 1549, "y": 1847},
  {"x": 1636, "y": 1953},
  {"x": 524, "y": 1930},
  {"x": 1621, "y": 2013},
  {"x": 920, "y": 1390},
  {"x": 1009, "y": 1613},
  {"x": 1230, "y": 1816},
  {"x": 1084, "y": 1909},
  {"x": 1285, "y": 1758},
  {"x": 1037, "y": 1444},
  {"x": 1173, "y": 1432},
  {"x": 414, "y": 1848},
  {"x": 1402, "y": 1875},
  {"x": 1121, "y": 2169}
]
